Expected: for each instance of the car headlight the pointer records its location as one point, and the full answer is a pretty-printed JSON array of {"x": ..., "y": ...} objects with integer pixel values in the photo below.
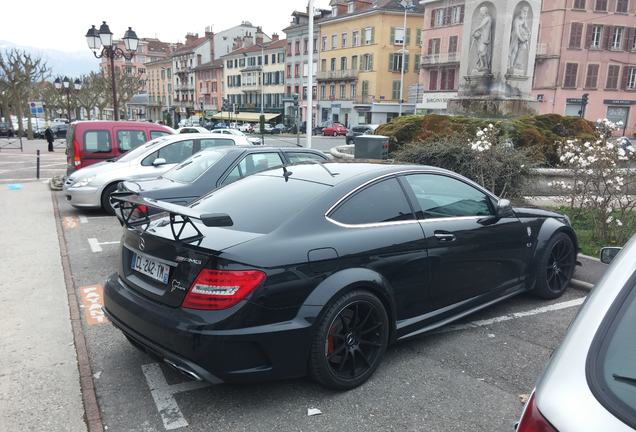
[{"x": 83, "y": 181}]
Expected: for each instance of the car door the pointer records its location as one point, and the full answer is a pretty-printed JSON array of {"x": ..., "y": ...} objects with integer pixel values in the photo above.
[
  {"x": 472, "y": 252},
  {"x": 173, "y": 154}
]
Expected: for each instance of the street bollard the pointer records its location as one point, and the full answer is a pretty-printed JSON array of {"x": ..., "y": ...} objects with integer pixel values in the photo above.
[{"x": 37, "y": 165}]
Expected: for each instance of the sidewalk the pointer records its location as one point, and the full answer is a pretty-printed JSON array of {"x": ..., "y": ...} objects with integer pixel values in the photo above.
[{"x": 39, "y": 377}]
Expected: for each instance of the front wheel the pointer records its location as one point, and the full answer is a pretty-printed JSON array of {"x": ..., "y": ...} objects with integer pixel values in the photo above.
[
  {"x": 556, "y": 267},
  {"x": 106, "y": 204},
  {"x": 350, "y": 341}
]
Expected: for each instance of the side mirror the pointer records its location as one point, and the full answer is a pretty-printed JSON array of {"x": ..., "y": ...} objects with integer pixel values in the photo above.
[
  {"x": 609, "y": 253},
  {"x": 504, "y": 208},
  {"x": 158, "y": 162}
]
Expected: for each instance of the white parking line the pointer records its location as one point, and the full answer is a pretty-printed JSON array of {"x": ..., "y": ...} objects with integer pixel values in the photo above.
[
  {"x": 163, "y": 395},
  {"x": 83, "y": 219},
  {"x": 96, "y": 246},
  {"x": 513, "y": 316}
]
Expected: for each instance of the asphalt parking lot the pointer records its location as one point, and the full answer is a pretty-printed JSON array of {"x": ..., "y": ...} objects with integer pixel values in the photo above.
[
  {"x": 19, "y": 165},
  {"x": 471, "y": 376}
]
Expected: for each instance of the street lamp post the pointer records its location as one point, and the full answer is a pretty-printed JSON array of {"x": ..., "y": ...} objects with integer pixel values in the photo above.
[
  {"x": 406, "y": 4},
  {"x": 65, "y": 86},
  {"x": 96, "y": 38}
]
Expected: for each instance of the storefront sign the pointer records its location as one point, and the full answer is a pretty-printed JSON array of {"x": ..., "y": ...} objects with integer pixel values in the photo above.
[
  {"x": 621, "y": 102},
  {"x": 436, "y": 101},
  {"x": 574, "y": 101}
]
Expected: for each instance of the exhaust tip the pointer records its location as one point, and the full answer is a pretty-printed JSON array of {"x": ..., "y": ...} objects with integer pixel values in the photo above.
[{"x": 190, "y": 374}]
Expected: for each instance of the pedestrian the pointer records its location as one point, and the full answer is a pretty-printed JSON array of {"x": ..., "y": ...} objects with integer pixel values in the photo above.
[{"x": 50, "y": 137}]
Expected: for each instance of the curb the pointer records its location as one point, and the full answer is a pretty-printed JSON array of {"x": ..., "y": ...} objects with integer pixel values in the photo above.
[{"x": 581, "y": 285}]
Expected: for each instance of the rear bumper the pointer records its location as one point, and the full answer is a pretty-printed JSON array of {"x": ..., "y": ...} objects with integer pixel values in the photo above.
[{"x": 192, "y": 341}]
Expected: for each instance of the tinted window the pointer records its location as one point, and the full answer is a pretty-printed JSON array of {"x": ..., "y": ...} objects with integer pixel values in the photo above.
[
  {"x": 261, "y": 203},
  {"x": 381, "y": 202},
  {"x": 304, "y": 157},
  {"x": 130, "y": 139},
  {"x": 215, "y": 142},
  {"x": 190, "y": 169},
  {"x": 188, "y": 130},
  {"x": 172, "y": 153},
  {"x": 157, "y": 134},
  {"x": 97, "y": 141},
  {"x": 441, "y": 196},
  {"x": 252, "y": 164},
  {"x": 134, "y": 154}
]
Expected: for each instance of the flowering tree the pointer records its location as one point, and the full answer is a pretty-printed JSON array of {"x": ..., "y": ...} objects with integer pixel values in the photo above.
[{"x": 601, "y": 181}]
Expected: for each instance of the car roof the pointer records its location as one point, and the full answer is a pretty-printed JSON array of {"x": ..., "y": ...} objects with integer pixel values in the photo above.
[{"x": 259, "y": 149}]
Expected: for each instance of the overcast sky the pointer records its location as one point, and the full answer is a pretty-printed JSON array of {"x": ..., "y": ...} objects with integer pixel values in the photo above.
[{"x": 63, "y": 24}]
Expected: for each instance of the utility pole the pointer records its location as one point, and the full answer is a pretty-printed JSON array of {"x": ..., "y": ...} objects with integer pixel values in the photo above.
[
  {"x": 406, "y": 4},
  {"x": 310, "y": 75}
]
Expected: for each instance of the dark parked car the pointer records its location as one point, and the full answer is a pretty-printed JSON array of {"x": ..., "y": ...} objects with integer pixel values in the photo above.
[
  {"x": 220, "y": 125},
  {"x": 356, "y": 131},
  {"x": 216, "y": 167},
  {"x": 317, "y": 268},
  {"x": 60, "y": 130},
  {"x": 6, "y": 129}
]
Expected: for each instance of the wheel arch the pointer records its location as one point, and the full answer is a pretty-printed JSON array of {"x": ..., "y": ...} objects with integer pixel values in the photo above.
[{"x": 548, "y": 230}]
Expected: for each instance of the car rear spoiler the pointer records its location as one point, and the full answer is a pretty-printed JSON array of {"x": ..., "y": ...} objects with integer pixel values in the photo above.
[{"x": 126, "y": 202}]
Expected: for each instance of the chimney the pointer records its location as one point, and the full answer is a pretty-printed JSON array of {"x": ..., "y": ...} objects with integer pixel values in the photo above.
[
  {"x": 209, "y": 34},
  {"x": 248, "y": 40},
  {"x": 275, "y": 37},
  {"x": 259, "y": 36},
  {"x": 191, "y": 37}
]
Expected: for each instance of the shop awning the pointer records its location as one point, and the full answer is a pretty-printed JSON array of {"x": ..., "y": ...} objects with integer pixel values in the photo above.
[{"x": 244, "y": 116}]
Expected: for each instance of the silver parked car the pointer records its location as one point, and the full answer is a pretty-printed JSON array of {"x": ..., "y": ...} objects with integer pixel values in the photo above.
[
  {"x": 590, "y": 382},
  {"x": 236, "y": 132},
  {"x": 92, "y": 186}
]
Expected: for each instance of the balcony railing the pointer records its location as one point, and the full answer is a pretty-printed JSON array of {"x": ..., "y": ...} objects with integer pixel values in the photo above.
[
  {"x": 543, "y": 51},
  {"x": 347, "y": 74},
  {"x": 439, "y": 59}
]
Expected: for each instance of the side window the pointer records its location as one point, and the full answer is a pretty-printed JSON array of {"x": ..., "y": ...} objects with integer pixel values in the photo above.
[
  {"x": 304, "y": 157},
  {"x": 173, "y": 153},
  {"x": 97, "y": 141},
  {"x": 157, "y": 134},
  {"x": 253, "y": 163},
  {"x": 381, "y": 202},
  {"x": 439, "y": 196},
  {"x": 215, "y": 142},
  {"x": 235, "y": 174},
  {"x": 130, "y": 139}
]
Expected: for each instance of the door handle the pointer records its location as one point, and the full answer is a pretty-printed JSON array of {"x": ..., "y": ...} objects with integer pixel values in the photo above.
[{"x": 443, "y": 236}]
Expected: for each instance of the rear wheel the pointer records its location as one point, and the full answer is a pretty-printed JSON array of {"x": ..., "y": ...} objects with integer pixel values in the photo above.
[
  {"x": 350, "y": 341},
  {"x": 556, "y": 267},
  {"x": 106, "y": 205},
  {"x": 335, "y": 133}
]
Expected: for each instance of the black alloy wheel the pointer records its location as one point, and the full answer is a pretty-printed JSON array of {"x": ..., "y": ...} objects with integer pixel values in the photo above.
[
  {"x": 556, "y": 267},
  {"x": 350, "y": 342},
  {"x": 107, "y": 206}
]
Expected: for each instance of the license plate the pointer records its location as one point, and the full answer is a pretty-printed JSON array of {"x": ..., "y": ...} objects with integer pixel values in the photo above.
[{"x": 150, "y": 267}]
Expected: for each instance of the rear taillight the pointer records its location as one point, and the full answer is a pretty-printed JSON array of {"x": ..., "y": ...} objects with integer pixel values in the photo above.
[
  {"x": 532, "y": 420},
  {"x": 77, "y": 161},
  {"x": 141, "y": 211},
  {"x": 221, "y": 289}
]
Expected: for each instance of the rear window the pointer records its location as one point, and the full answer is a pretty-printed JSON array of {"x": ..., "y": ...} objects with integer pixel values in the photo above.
[
  {"x": 130, "y": 139},
  {"x": 97, "y": 141},
  {"x": 191, "y": 169},
  {"x": 261, "y": 203},
  {"x": 215, "y": 142},
  {"x": 298, "y": 157},
  {"x": 157, "y": 134},
  {"x": 612, "y": 359}
]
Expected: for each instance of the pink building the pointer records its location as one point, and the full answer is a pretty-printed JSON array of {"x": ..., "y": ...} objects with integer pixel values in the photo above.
[
  {"x": 585, "y": 46},
  {"x": 209, "y": 86}
]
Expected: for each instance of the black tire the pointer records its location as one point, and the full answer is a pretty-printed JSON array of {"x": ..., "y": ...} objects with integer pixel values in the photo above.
[
  {"x": 343, "y": 356},
  {"x": 106, "y": 206},
  {"x": 555, "y": 267},
  {"x": 335, "y": 133}
]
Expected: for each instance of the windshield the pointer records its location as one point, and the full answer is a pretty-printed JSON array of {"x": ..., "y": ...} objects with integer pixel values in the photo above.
[
  {"x": 260, "y": 203},
  {"x": 133, "y": 154},
  {"x": 192, "y": 168}
]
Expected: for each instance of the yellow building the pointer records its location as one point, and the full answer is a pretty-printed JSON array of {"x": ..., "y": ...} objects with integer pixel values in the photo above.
[
  {"x": 159, "y": 85},
  {"x": 360, "y": 61}
]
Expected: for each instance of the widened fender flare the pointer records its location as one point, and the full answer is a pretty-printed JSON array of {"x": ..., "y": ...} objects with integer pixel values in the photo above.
[{"x": 548, "y": 229}]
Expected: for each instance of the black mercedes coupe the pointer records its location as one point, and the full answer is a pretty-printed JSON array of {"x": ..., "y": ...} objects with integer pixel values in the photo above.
[{"x": 315, "y": 269}]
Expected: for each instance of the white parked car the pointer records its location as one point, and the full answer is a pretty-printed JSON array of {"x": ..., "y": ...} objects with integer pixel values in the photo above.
[
  {"x": 238, "y": 133},
  {"x": 92, "y": 186},
  {"x": 192, "y": 129},
  {"x": 246, "y": 127}
]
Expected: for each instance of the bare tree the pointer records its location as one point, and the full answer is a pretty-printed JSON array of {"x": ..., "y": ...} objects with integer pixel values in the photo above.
[
  {"x": 92, "y": 91},
  {"x": 127, "y": 86}
]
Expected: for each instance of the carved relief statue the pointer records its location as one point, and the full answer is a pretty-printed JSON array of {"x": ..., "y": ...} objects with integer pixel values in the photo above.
[
  {"x": 519, "y": 40},
  {"x": 482, "y": 40}
]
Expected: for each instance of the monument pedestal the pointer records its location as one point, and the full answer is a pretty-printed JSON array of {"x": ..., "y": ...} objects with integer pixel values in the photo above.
[{"x": 489, "y": 107}]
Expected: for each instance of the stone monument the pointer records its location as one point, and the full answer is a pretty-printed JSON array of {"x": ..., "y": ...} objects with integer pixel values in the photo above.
[{"x": 497, "y": 58}]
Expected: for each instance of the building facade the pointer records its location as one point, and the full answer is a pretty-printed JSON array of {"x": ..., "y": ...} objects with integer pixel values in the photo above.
[
  {"x": 362, "y": 46},
  {"x": 224, "y": 40},
  {"x": 208, "y": 92},
  {"x": 159, "y": 86},
  {"x": 254, "y": 74},
  {"x": 584, "y": 47}
]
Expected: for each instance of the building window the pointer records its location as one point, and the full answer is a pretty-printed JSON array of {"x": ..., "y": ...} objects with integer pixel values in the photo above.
[
  {"x": 297, "y": 47},
  {"x": 324, "y": 43},
  {"x": 323, "y": 65},
  {"x": 365, "y": 90},
  {"x": 343, "y": 63},
  {"x": 354, "y": 62},
  {"x": 343, "y": 91},
  {"x": 600, "y": 5},
  {"x": 350, "y": 7},
  {"x": 289, "y": 71},
  {"x": 576, "y": 34},
  {"x": 395, "y": 90},
  {"x": 595, "y": 36},
  {"x": 344, "y": 40},
  {"x": 367, "y": 62},
  {"x": 579, "y": 4},
  {"x": 630, "y": 78},
  {"x": 334, "y": 41},
  {"x": 432, "y": 80},
  {"x": 613, "y": 72},
  {"x": 437, "y": 18},
  {"x": 452, "y": 45},
  {"x": 333, "y": 64},
  {"x": 433, "y": 46},
  {"x": 457, "y": 14},
  {"x": 369, "y": 34},
  {"x": 395, "y": 62},
  {"x": 305, "y": 46},
  {"x": 622, "y": 6},
  {"x": 323, "y": 92},
  {"x": 448, "y": 79},
  {"x": 332, "y": 90},
  {"x": 355, "y": 38},
  {"x": 353, "y": 91},
  {"x": 398, "y": 36},
  {"x": 617, "y": 38},
  {"x": 296, "y": 70},
  {"x": 571, "y": 71},
  {"x": 591, "y": 81},
  {"x": 334, "y": 11}
]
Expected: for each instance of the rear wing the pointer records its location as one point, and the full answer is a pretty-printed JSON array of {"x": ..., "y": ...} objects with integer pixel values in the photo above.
[{"x": 131, "y": 210}]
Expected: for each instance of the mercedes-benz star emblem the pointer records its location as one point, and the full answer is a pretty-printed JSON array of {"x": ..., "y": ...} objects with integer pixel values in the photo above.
[{"x": 142, "y": 244}]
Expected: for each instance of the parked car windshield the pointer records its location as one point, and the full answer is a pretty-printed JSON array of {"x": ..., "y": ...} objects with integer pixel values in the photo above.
[
  {"x": 192, "y": 168},
  {"x": 133, "y": 154},
  {"x": 260, "y": 203}
]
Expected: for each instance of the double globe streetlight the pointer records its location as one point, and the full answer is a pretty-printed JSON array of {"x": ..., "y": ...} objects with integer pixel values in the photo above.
[
  {"x": 96, "y": 38},
  {"x": 65, "y": 85}
]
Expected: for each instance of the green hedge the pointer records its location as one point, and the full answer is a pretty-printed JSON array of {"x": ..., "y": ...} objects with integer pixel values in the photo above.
[{"x": 537, "y": 134}]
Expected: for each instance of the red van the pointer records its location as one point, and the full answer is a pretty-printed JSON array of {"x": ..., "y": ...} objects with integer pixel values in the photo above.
[{"x": 89, "y": 142}]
